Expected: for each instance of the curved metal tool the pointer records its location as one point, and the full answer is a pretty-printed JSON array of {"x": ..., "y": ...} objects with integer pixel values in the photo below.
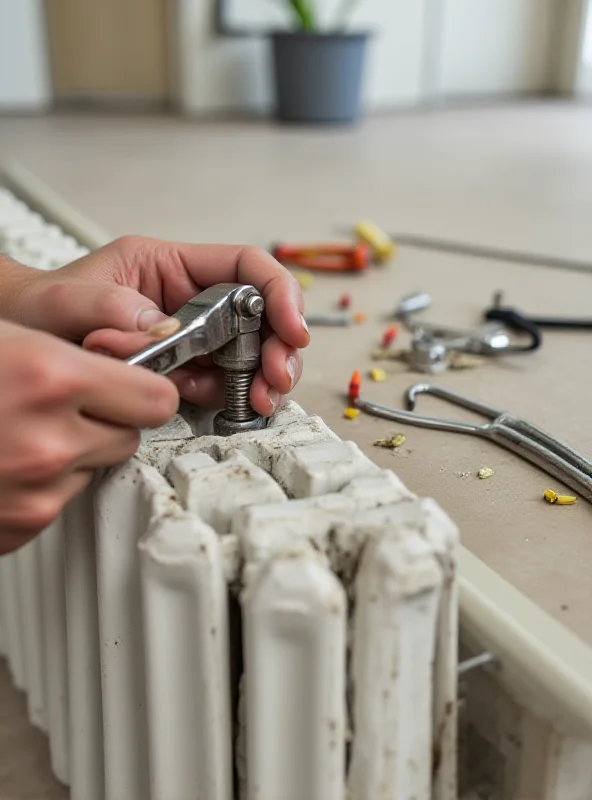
[{"x": 521, "y": 437}]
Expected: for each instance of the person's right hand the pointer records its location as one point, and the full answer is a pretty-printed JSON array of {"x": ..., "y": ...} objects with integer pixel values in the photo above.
[{"x": 64, "y": 412}]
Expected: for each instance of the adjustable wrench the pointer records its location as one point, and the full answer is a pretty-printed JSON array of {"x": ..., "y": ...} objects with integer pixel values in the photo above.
[{"x": 224, "y": 321}]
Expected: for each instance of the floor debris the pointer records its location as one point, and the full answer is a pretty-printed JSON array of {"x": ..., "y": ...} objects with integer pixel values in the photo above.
[
  {"x": 464, "y": 361},
  {"x": 382, "y": 354},
  {"x": 455, "y": 361},
  {"x": 389, "y": 336},
  {"x": 354, "y": 387},
  {"x": 351, "y": 413},
  {"x": 485, "y": 472},
  {"x": 392, "y": 442},
  {"x": 561, "y": 499},
  {"x": 378, "y": 375}
]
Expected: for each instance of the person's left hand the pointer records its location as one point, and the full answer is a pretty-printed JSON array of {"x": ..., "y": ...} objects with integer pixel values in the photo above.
[{"x": 111, "y": 298}]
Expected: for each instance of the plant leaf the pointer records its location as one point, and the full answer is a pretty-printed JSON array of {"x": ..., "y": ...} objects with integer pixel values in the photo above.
[{"x": 304, "y": 13}]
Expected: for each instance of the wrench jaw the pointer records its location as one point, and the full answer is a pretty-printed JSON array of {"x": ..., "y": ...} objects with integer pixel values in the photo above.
[
  {"x": 225, "y": 321},
  {"x": 174, "y": 351}
]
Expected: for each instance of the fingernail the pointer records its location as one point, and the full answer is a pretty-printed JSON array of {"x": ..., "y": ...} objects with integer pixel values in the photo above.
[
  {"x": 304, "y": 325},
  {"x": 291, "y": 368},
  {"x": 150, "y": 317},
  {"x": 274, "y": 397},
  {"x": 164, "y": 328},
  {"x": 101, "y": 351}
]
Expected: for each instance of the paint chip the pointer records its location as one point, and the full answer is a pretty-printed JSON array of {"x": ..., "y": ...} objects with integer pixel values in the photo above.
[{"x": 378, "y": 375}]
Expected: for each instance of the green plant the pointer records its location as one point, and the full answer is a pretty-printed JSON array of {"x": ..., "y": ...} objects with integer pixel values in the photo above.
[{"x": 303, "y": 13}]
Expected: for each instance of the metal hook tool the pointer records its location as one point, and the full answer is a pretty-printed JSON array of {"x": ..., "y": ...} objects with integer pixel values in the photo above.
[{"x": 507, "y": 430}]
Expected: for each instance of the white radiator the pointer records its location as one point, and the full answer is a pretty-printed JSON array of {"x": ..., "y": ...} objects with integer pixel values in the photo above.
[{"x": 265, "y": 617}]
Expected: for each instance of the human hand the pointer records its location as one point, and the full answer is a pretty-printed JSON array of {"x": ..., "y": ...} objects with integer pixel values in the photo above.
[
  {"x": 112, "y": 297},
  {"x": 63, "y": 413}
]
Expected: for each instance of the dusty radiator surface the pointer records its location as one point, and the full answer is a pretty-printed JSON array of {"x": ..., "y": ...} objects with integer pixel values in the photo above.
[{"x": 264, "y": 616}]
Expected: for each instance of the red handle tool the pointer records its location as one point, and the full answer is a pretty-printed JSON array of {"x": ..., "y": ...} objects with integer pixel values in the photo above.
[{"x": 338, "y": 257}]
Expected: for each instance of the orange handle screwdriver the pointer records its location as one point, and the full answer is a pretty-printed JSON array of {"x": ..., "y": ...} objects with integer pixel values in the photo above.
[{"x": 338, "y": 257}]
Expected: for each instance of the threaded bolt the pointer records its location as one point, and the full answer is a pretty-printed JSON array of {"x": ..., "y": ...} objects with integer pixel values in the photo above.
[{"x": 237, "y": 390}]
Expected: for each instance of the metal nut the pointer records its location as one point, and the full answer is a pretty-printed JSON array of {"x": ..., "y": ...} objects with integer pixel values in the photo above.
[
  {"x": 228, "y": 427},
  {"x": 242, "y": 353},
  {"x": 249, "y": 303}
]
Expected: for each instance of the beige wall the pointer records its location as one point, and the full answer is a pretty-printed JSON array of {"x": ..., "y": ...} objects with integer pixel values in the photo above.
[{"x": 108, "y": 49}]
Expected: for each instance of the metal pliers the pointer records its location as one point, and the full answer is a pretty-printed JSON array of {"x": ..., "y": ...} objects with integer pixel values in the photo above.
[
  {"x": 223, "y": 321},
  {"x": 515, "y": 434}
]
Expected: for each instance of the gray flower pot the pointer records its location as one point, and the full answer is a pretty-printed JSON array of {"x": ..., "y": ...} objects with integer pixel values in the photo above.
[{"x": 318, "y": 76}]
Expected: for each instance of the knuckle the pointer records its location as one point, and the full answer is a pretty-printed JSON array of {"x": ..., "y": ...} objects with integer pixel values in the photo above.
[
  {"x": 36, "y": 513},
  {"x": 128, "y": 244},
  {"x": 46, "y": 374},
  {"x": 108, "y": 300},
  {"x": 45, "y": 459},
  {"x": 57, "y": 295},
  {"x": 136, "y": 255},
  {"x": 254, "y": 253},
  {"x": 42, "y": 512}
]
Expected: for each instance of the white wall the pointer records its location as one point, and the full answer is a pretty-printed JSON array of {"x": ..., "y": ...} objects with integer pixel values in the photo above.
[
  {"x": 496, "y": 46},
  {"x": 24, "y": 68},
  {"x": 584, "y": 82},
  {"x": 422, "y": 50},
  {"x": 573, "y": 57}
]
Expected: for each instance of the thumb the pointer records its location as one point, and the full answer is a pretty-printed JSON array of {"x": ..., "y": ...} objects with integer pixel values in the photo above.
[{"x": 73, "y": 308}]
